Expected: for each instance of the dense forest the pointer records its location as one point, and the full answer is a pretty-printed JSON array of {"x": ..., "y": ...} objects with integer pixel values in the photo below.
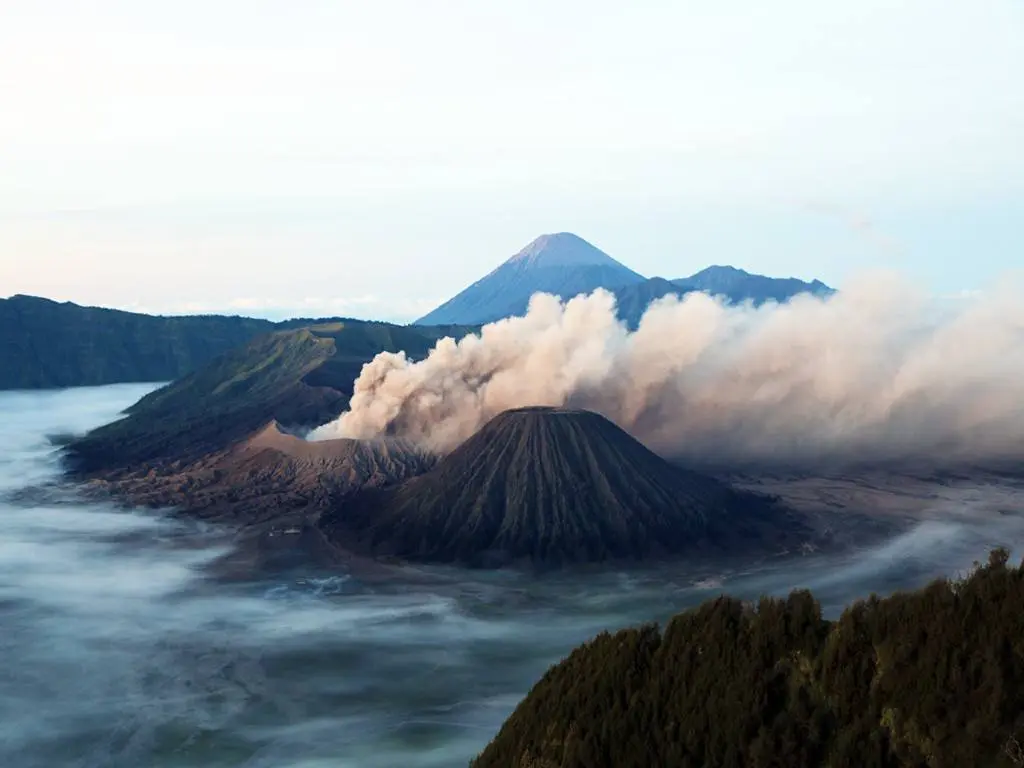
[{"x": 929, "y": 679}]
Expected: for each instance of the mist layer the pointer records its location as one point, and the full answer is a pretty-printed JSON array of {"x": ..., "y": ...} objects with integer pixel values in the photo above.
[{"x": 877, "y": 372}]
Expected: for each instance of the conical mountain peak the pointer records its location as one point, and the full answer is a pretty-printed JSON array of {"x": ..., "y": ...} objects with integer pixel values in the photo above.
[
  {"x": 560, "y": 263},
  {"x": 566, "y": 265},
  {"x": 554, "y": 486},
  {"x": 562, "y": 249}
]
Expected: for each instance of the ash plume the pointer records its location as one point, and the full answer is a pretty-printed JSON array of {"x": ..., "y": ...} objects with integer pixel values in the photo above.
[{"x": 876, "y": 372}]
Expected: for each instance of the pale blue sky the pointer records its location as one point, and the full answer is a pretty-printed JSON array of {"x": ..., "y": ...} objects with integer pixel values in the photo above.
[{"x": 374, "y": 158}]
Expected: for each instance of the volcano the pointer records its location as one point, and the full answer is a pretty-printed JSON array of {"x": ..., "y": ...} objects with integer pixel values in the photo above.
[
  {"x": 561, "y": 263},
  {"x": 557, "y": 486}
]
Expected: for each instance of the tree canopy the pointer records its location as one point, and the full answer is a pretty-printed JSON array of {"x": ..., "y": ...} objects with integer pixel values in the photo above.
[{"x": 928, "y": 679}]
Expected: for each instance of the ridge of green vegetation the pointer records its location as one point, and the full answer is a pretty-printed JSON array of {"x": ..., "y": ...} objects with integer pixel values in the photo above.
[
  {"x": 46, "y": 344},
  {"x": 928, "y": 679},
  {"x": 299, "y": 377}
]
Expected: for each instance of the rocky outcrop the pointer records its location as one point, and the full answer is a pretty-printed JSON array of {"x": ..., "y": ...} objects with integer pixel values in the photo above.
[{"x": 270, "y": 477}]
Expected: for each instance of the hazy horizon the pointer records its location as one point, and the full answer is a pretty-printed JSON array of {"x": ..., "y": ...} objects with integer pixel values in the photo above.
[{"x": 320, "y": 158}]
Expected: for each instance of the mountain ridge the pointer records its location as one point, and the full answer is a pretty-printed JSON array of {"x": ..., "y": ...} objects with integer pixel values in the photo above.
[
  {"x": 49, "y": 344},
  {"x": 566, "y": 265},
  {"x": 299, "y": 377},
  {"x": 560, "y": 263},
  {"x": 740, "y": 285}
]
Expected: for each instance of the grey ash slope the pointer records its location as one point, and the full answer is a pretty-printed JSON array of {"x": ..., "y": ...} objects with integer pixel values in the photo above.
[
  {"x": 273, "y": 475},
  {"x": 561, "y": 263},
  {"x": 553, "y": 487}
]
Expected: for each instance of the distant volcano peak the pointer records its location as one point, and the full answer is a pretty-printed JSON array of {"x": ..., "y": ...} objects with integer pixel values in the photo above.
[
  {"x": 560, "y": 263},
  {"x": 561, "y": 249}
]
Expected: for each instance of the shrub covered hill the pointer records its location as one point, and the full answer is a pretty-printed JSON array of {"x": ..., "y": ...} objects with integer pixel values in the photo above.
[
  {"x": 299, "y": 377},
  {"x": 45, "y": 343},
  {"x": 927, "y": 679},
  {"x": 553, "y": 486}
]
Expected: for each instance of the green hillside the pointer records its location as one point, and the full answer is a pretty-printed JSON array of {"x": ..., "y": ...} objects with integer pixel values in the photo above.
[
  {"x": 929, "y": 679},
  {"x": 46, "y": 344},
  {"x": 300, "y": 377}
]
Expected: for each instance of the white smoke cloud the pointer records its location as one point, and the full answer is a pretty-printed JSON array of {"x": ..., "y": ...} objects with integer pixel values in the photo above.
[{"x": 876, "y": 372}]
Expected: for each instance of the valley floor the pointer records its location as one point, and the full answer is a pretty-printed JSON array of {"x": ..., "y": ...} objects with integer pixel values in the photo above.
[{"x": 858, "y": 506}]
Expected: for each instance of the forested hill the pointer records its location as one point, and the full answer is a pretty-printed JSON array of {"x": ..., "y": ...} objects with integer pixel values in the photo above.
[
  {"x": 298, "y": 377},
  {"x": 46, "y": 344},
  {"x": 927, "y": 679}
]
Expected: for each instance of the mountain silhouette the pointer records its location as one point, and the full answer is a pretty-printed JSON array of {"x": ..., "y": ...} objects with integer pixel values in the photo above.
[
  {"x": 566, "y": 265},
  {"x": 562, "y": 264}
]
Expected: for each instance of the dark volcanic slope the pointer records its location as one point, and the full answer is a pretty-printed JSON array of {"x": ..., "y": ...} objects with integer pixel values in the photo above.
[{"x": 553, "y": 486}]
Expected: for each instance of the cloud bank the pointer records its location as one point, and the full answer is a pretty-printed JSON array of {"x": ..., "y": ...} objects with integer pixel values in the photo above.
[{"x": 877, "y": 372}]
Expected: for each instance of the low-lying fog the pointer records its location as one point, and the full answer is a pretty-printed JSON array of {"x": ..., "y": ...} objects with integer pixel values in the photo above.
[{"x": 119, "y": 649}]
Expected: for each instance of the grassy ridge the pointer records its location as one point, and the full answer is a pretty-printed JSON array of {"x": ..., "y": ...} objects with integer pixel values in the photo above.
[
  {"x": 298, "y": 377},
  {"x": 45, "y": 344},
  {"x": 48, "y": 344}
]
